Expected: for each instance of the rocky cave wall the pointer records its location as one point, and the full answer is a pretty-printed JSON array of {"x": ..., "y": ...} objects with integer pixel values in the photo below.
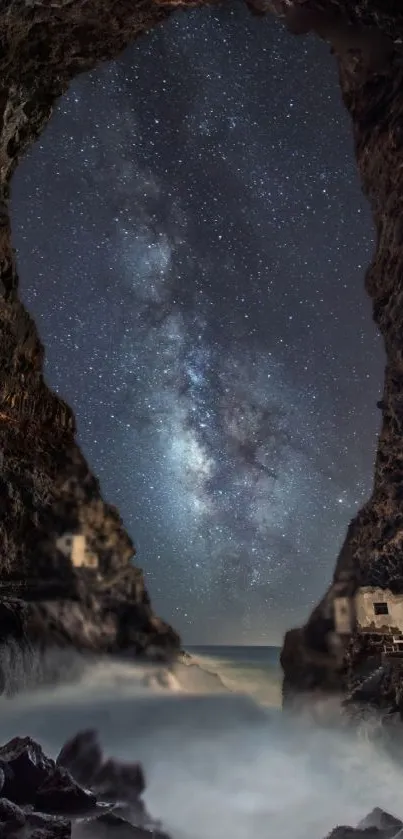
[
  {"x": 46, "y": 486},
  {"x": 370, "y": 57},
  {"x": 48, "y": 495}
]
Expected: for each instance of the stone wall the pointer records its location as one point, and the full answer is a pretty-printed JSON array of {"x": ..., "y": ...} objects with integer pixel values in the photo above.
[{"x": 369, "y": 617}]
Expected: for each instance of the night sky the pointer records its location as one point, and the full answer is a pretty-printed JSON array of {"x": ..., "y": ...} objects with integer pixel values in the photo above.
[{"x": 192, "y": 240}]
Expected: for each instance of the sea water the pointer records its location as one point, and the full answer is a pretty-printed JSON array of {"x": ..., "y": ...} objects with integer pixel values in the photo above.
[
  {"x": 221, "y": 759},
  {"x": 254, "y": 671}
]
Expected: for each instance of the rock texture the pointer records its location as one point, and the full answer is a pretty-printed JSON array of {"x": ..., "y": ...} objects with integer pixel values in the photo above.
[
  {"x": 65, "y": 560},
  {"x": 66, "y": 575},
  {"x": 376, "y": 825},
  {"x": 83, "y": 796},
  {"x": 366, "y": 38},
  {"x": 79, "y": 795}
]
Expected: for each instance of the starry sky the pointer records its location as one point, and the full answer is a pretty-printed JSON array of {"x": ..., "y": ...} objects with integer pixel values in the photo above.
[{"x": 192, "y": 240}]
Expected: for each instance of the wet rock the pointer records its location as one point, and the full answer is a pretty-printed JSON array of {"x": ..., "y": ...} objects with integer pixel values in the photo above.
[
  {"x": 42, "y": 826},
  {"x": 381, "y": 820},
  {"x": 82, "y": 756},
  {"x": 47, "y": 802},
  {"x": 15, "y": 823},
  {"x": 378, "y": 824},
  {"x": 25, "y": 768},
  {"x": 119, "y": 781},
  {"x": 12, "y": 816},
  {"x": 112, "y": 826},
  {"x": 111, "y": 780},
  {"x": 61, "y": 794}
]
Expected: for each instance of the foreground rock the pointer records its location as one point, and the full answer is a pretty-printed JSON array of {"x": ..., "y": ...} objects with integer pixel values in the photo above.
[
  {"x": 376, "y": 825},
  {"x": 78, "y": 795}
]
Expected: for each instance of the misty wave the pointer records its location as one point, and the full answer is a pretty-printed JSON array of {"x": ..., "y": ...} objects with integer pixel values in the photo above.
[
  {"x": 29, "y": 670},
  {"x": 261, "y": 682},
  {"x": 189, "y": 675},
  {"x": 217, "y": 764}
]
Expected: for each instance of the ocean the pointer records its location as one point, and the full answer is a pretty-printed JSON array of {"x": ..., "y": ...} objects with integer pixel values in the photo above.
[
  {"x": 254, "y": 671},
  {"x": 220, "y": 757}
]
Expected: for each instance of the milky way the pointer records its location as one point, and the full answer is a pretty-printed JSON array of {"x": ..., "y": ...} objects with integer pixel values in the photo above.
[{"x": 192, "y": 240}]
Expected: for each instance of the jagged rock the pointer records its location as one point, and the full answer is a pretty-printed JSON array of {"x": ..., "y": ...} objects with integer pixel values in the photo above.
[
  {"x": 12, "y": 816},
  {"x": 378, "y": 824},
  {"x": 347, "y": 832},
  {"x": 42, "y": 826},
  {"x": 112, "y": 826},
  {"x": 45, "y": 802},
  {"x": 15, "y": 823},
  {"x": 118, "y": 781},
  {"x": 112, "y": 781},
  {"x": 82, "y": 756},
  {"x": 380, "y": 819},
  {"x": 61, "y": 794},
  {"x": 25, "y": 769}
]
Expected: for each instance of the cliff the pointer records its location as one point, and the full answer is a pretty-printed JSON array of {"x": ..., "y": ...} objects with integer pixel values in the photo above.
[
  {"x": 66, "y": 572},
  {"x": 321, "y": 660},
  {"x": 65, "y": 559}
]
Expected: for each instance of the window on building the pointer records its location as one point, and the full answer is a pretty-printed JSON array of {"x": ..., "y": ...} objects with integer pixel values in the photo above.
[{"x": 381, "y": 608}]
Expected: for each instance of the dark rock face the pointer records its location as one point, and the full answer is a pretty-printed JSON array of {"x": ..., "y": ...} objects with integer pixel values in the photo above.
[
  {"x": 367, "y": 38},
  {"x": 65, "y": 560},
  {"x": 66, "y": 577},
  {"x": 45, "y": 799},
  {"x": 376, "y": 825}
]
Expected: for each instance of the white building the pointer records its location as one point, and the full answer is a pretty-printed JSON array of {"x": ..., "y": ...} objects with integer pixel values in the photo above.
[
  {"x": 74, "y": 546},
  {"x": 370, "y": 610}
]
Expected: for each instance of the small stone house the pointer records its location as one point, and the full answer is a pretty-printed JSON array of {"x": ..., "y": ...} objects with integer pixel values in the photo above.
[
  {"x": 374, "y": 612},
  {"x": 73, "y": 545}
]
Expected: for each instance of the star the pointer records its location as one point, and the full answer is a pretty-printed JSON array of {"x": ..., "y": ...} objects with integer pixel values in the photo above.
[{"x": 192, "y": 240}]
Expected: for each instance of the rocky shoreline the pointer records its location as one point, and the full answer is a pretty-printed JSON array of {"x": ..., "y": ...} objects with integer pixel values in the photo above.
[
  {"x": 80, "y": 794},
  {"x": 83, "y": 795},
  {"x": 67, "y": 574}
]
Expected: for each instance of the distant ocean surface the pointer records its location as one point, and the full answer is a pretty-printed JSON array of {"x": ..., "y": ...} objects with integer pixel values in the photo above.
[{"x": 254, "y": 671}]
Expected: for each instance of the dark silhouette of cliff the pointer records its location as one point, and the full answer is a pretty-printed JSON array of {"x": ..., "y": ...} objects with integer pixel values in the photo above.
[{"x": 66, "y": 574}]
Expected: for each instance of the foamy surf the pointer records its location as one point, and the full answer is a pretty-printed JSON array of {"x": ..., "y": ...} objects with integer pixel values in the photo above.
[
  {"x": 261, "y": 683},
  {"x": 217, "y": 764}
]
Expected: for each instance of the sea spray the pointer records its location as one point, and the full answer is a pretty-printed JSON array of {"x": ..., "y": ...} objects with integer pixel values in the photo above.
[{"x": 216, "y": 765}]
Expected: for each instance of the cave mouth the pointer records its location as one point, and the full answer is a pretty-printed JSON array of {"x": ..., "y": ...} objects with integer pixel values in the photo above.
[{"x": 224, "y": 219}]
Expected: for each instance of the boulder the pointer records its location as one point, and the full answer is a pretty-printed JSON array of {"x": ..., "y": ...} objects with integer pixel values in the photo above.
[
  {"x": 378, "y": 824},
  {"x": 60, "y": 793},
  {"x": 24, "y": 769},
  {"x": 82, "y": 756}
]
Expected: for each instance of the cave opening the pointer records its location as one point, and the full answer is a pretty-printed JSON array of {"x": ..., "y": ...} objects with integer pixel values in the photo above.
[{"x": 193, "y": 251}]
